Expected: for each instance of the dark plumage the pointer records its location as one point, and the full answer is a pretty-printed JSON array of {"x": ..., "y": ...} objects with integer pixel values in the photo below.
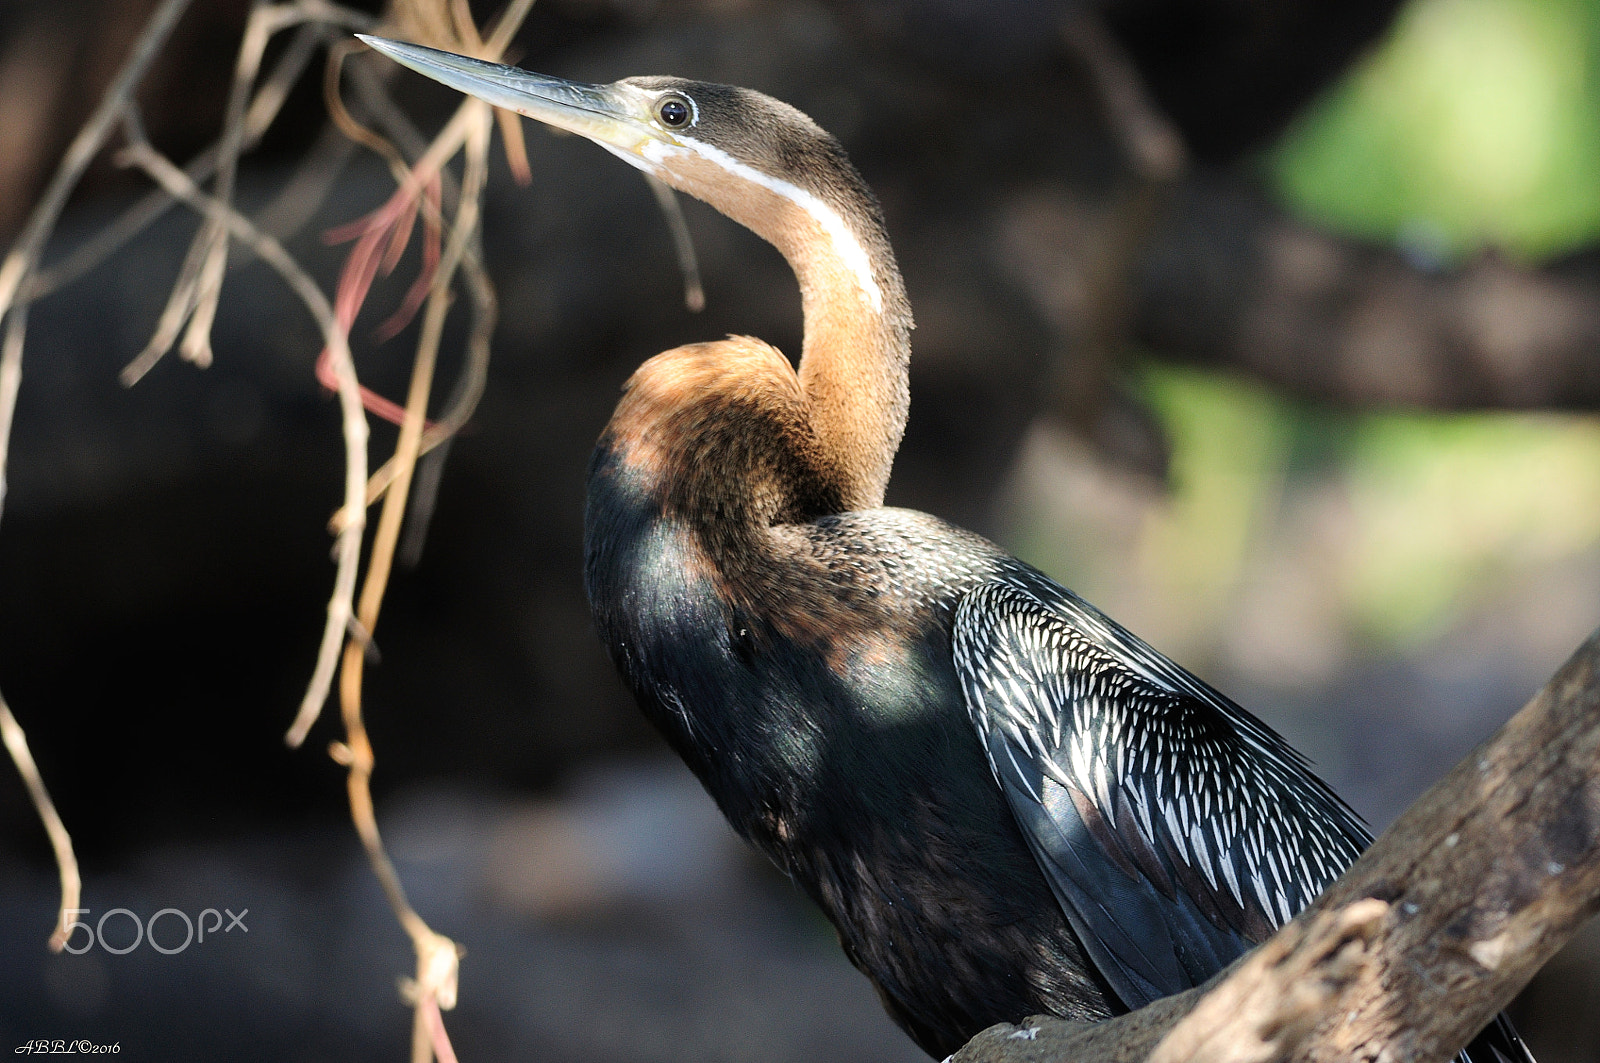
[{"x": 1006, "y": 803}]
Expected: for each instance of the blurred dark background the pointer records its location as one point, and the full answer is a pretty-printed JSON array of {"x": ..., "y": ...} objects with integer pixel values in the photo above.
[{"x": 1269, "y": 325}]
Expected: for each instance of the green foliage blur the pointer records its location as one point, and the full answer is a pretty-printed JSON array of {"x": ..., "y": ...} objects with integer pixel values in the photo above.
[
  {"x": 1475, "y": 126},
  {"x": 1413, "y": 520}
]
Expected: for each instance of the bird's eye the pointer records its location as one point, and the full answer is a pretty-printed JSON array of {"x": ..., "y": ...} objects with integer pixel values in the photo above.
[{"x": 674, "y": 112}]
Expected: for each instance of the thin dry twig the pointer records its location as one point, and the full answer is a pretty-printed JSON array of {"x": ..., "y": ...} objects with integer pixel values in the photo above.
[
  {"x": 411, "y": 428},
  {"x": 269, "y": 100},
  {"x": 173, "y": 315},
  {"x": 16, "y": 741},
  {"x": 389, "y": 225},
  {"x": 392, "y": 221},
  {"x": 434, "y": 988},
  {"x": 194, "y": 299},
  {"x": 10, "y": 384},
  {"x": 353, "y": 514},
  {"x": 436, "y": 955},
  {"x": 429, "y": 1010},
  {"x": 212, "y": 242},
  {"x": 332, "y": 77},
  {"x": 474, "y": 374},
  {"x": 60, "y": 841},
  {"x": 24, "y": 256},
  {"x": 341, "y": 613},
  {"x": 694, "y": 294},
  {"x": 399, "y": 132},
  {"x": 412, "y": 180},
  {"x": 265, "y": 22}
]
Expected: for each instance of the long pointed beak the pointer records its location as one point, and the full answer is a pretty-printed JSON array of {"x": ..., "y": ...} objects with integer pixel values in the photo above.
[{"x": 614, "y": 116}]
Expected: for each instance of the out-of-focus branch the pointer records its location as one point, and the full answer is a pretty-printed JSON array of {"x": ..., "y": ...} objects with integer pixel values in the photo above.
[
  {"x": 16, "y": 743},
  {"x": 24, "y": 256},
  {"x": 194, "y": 297},
  {"x": 694, "y": 293},
  {"x": 11, "y": 732},
  {"x": 15, "y": 274},
  {"x": 1153, "y": 162},
  {"x": 1151, "y": 146},
  {"x": 1233, "y": 282},
  {"x": 469, "y": 386},
  {"x": 353, "y": 514},
  {"x": 1476, "y": 886},
  {"x": 435, "y": 986},
  {"x": 264, "y": 108}
]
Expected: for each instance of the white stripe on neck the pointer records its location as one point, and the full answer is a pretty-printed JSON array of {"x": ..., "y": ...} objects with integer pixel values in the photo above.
[{"x": 845, "y": 244}]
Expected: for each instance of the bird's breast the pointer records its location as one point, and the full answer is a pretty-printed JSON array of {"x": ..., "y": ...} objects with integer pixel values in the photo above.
[{"x": 807, "y": 678}]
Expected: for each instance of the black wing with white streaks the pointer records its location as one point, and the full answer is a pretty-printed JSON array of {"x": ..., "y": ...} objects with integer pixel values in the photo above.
[{"x": 1175, "y": 829}]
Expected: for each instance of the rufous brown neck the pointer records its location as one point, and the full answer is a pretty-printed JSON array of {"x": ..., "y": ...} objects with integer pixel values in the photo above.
[{"x": 853, "y": 365}]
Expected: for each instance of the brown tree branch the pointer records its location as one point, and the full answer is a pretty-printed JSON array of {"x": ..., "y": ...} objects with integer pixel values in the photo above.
[
  {"x": 1479, "y": 882},
  {"x": 1234, "y": 282},
  {"x": 1266, "y": 1009}
]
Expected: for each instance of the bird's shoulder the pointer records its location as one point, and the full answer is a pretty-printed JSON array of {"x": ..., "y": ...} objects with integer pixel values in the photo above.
[{"x": 904, "y": 556}]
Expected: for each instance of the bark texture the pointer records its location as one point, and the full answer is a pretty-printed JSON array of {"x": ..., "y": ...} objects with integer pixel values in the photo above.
[{"x": 1417, "y": 946}]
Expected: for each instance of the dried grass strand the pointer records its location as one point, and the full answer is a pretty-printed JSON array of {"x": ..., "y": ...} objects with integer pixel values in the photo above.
[
  {"x": 694, "y": 294},
  {"x": 60, "y": 840},
  {"x": 269, "y": 100},
  {"x": 197, "y": 305},
  {"x": 437, "y": 956},
  {"x": 11, "y": 732},
  {"x": 353, "y": 513},
  {"x": 24, "y": 255}
]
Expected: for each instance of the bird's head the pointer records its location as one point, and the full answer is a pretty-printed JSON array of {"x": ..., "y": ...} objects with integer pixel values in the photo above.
[{"x": 756, "y": 159}]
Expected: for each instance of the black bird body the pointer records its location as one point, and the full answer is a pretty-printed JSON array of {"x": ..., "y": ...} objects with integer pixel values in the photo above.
[
  {"x": 1006, "y": 803},
  {"x": 832, "y": 683},
  {"x": 838, "y": 744}
]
